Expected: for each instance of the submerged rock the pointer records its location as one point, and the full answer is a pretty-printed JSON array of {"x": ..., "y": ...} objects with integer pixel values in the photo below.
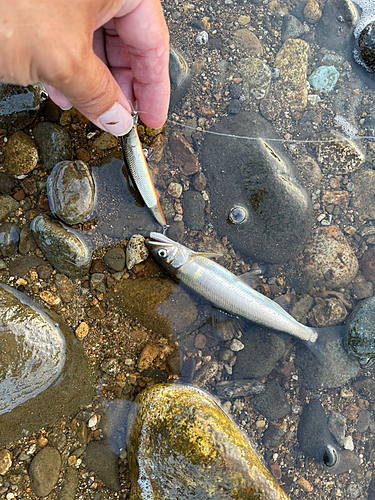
[
  {"x": 21, "y": 154},
  {"x": 260, "y": 179},
  {"x": 364, "y": 53},
  {"x": 324, "y": 78},
  {"x": 18, "y": 105},
  {"x": 256, "y": 77},
  {"x": 181, "y": 442},
  {"x": 9, "y": 239},
  {"x": 180, "y": 76},
  {"x": 65, "y": 248},
  {"x": 360, "y": 334},
  {"x": 71, "y": 191},
  {"x": 53, "y": 142}
]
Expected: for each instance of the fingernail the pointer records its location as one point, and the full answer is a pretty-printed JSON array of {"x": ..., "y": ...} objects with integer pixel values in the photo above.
[
  {"x": 117, "y": 120},
  {"x": 66, "y": 108}
]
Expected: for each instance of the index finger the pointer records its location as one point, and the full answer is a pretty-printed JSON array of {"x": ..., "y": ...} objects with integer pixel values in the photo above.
[{"x": 146, "y": 37}]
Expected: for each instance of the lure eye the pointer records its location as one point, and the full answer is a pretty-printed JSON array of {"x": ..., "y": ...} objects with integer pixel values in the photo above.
[
  {"x": 330, "y": 456},
  {"x": 237, "y": 215},
  {"x": 162, "y": 253}
]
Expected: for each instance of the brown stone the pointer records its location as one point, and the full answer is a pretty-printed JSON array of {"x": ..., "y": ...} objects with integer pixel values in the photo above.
[
  {"x": 183, "y": 154},
  {"x": 148, "y": 354}
]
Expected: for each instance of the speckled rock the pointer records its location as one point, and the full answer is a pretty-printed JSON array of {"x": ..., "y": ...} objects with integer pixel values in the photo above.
[
  {"x": 331, "y": 366},
  {"x": 18, "y": 105},
  {"x": 324, "y": 78},
  {"x": 363, "y": 195},
  {"x": 256, "y": 77},
  {"x": 190, "y": 442},
  {"x": 327, "y": 312},
  {"x": 53, "y": 143},
  {"x": 312, "y": 12},
  {"x": 260, "y": 178},
  {"x": 71, "y": 191},
  {"x": 44, "y": 471},
  {"x": 194, "y": 205},
  {"x": 65, "y": 248},
  {"x": 364, "y": 52},
  {"x": 292, "y": 61},
  {"x": 183, "y": 154},
  {"x": 27, "y": 243},
  {"x": 115, "y": 258},
  {"x": 105, "y": 141},
  {"x": 360, "y": 335},
  {"x": 341, "y": 156},
  {"x": 136, "y": 251},
  {"x": 314, "y": 437},
  {"x": 9, "y": 238},
  {"x": 21, "y": 154},
  {"x": 329, "y": 259}
]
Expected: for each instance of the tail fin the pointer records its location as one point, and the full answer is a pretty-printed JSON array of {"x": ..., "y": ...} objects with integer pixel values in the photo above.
[{"x": 318, "y": 348}]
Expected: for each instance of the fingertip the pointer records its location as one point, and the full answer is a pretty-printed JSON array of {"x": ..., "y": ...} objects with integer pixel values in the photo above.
[
  {"x": 117, "y": 120},
  {"x": 58, "y": 97}
]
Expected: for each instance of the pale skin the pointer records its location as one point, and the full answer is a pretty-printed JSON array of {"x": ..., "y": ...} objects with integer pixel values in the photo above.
[{"x": 96, "y": 55}]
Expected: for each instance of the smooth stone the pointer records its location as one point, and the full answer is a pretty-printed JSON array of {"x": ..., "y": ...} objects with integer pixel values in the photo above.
[
  {"x": 309, "y": 169},
  {"x": 65, "y": 248},
  {"x": 190, "y": 436},
  {"x": 180, "y": 76},
  {"x": 7, "y": 206},
  {"x": 261, "y": 178},
  {"x": 103, "y": 461},
  {"x": 256, "y": 77},
  {"x": 291, "y": 87},
  {"x": 329, "y": 260},
  {"x": 158, "y": 304},
  {"x": 273, "y": 437},
  {"x": 44, "y": 471},
  {"x": 136, "y": 251},
  {"x": 360, "y": 335},
  {"x": 324, "y": 78},
  {"x": 368, "y": 265},
  {"x": 314, "y": 437},
  {"x": 7, "y": 183},
  {"x": 105, "y": 141},
  {"x": 292, "y": 28},
  {"x": 261, "y": 352},
  {"x": 71, "y": 191},
  {"x": 363, "y": 421},
  {"x": 115, "y": 258},
  {"x": 363, "y": 194},
  {"x": 35, "y": 383},
  {"x": 333, "y": 367},
  {"x": 21, "y": 154},
  {"x": 70, "y": 484},
  {"x": 19, "y": 105},
  {"x": 194, "y": 210},
  {"x": 27, "y": 243},
  {"x": 272, "y": 402},
  {"x": 234, "y": 107},
  {"x": 20, "y": 266},
  {"x": 9, "y": 238},
  {"x": 337, "y": 426},
  {"x": 247, "y": 40},
  {"x": 183, "y": 155},
  {"x": 53, "y": 143}
]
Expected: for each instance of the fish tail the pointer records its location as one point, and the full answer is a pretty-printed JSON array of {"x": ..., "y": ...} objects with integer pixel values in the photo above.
[{"x": 318, "y": 347}]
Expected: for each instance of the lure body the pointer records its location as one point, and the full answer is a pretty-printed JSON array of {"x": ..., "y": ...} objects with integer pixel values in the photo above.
[{"x": 137, "y": 164}]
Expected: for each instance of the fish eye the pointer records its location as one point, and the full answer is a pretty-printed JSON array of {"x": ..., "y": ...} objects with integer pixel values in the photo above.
[
  {"x": 330, "y": 456},
  {"x": 162, "y": 253},
  {"x": 237, "y": 215}
]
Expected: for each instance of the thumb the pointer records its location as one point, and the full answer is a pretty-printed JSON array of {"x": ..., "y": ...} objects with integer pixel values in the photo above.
[{"x": 96, "y": 94}]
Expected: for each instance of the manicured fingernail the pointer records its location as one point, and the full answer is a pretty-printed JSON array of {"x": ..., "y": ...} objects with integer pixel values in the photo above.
[{"x": 117, "y": 120}]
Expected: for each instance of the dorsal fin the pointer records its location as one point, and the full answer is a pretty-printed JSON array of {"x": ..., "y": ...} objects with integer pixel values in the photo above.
[{"x": 250, "y": 277}]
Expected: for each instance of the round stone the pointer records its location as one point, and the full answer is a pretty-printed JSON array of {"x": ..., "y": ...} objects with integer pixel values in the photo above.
[
  {"x": 44, "y": 471},
  {"x": 366, "y": 46},
  {"x": 360, "y": 335},
  {"x": 53, "y": 143},
  {"x": 9, "y": 239},
  {"x": 21, "y": 155}
]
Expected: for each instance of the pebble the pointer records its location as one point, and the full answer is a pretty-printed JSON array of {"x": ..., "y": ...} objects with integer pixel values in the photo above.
[
  {"x": 5, "y": 461},
  {"x": 324, "y": 78},
  {"x": 53, "y": 143},
  {"x": 362, "y": 289},
  {"x": 256, "y": 77},
  {"x": 21, "y": 154},
  {"x": 64, "y": 287},
  {"x": 174, "y": 189},
  {"x": 248, "y": 41},
  {"x": 44, "y": 471},
  {"x": 243, "y": 20},
  {"x": 105, "y": 141},
  {"x": 329, "y": 259},
  {"x": 236, "y": 345},
  {"x": 71, "y": 191},
  {"x": 272, "y": 402},
  {"x": 9, "y": 238},
  {"x": 199, "y": 181},
  {"x": 200, "y": 341},
  {"x": 147, "y": 356},
  {"x": 70, "y": 484},
  {"x": 50, "y": 298},
  {"x": 348, "y": 443},
  {"x": 360, "y": 335},
  {"x": 327, "y": 312},
  {"x": 364, "y": 54},
  {"x": 305, "y": 485},
  {"x": 273, "y": 437},
  {"x": 97, "y": 282},
  {"x": 103, "y": 461},
  {"x": 64, "y": 247},
  {"x": 270, "y": 108},
  {"x": 136, "y": 251},
  {"x": 337, "y": 426},
  {"x": 202, "y": 38},
  {"x": 82, "y": 330},
  {"x": 291, "y": 28},
  {"x": 312, "y": 12},
  {"x": 194, "y": 210},
  {"x": 6, "y": 182},
  {"x": 363, "y": 195},
  {"x": 340, "y": 155},
  {"x": 114, "y": 258},
  {"x": 183, "y": 154},
  {"x": 237, "y": 388},
  {"x": 363, "y": 421}
]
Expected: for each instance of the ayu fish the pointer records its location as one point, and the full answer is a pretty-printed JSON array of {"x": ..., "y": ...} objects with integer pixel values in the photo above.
[
  {"x": 136, "y": 162},
  {"x": 223, "y": 289}
]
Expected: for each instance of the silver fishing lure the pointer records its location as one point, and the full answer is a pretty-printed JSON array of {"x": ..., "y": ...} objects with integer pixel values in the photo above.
[{"x": 223, "y": 289}]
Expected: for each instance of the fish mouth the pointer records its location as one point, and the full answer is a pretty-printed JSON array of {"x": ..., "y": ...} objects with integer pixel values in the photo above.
[{"x": 157, "y": 239}]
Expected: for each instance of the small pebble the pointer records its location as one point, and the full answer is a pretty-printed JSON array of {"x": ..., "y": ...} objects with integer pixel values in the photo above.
[
  {"x": 236, "y": 345},
  {"x": 5, "y": 461},
  {"x": 348, "y": 443},
  {"x": 202, "y": 38},
  {"x": 136, "y": 251},
  {"x": 50, "y": 298},
  {"x": 82, "y": 330}
]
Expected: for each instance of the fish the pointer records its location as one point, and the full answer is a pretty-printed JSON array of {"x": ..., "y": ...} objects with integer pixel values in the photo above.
[
  {"x": 135, "y": 160},
  {"x": 223, "y": 289}
]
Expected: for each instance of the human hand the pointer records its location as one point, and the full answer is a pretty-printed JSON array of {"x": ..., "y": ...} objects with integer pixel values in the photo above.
[{"x": 93, "y": 54}]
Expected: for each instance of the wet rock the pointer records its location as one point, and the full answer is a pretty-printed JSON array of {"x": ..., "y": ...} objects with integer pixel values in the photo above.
[
  {"x": 21, "y": 266},
  {"x": 65, "y": 248},
  {"x": 179, "y": 75},
  {"x": 146, "y": 357},
  {"x": 273, "y": 437},
  {"x": 9, "y": 238},
  {"x": 360, "y": 335},
  {"x": 259, "y": 177},
  {"x": 362, "y": 288},
  {"x": 6, "y": 183},
  {"x": 363, "y": 422},
  {"x": 183, "y": 154},
  {"x": 363, "y": 194},
  {"x": 341, "y": 156},
  {"x": 71, "y": 191},
  {"x": 301, "y": 308},
  {"x": 314, "y": 437},
  {"x": 27, "y": 243},
  {"x": 272, "y": 402},
  {"x": 329, "y": 260},
  {"x": 331, "y": 367},
  {"x": 53, "y": 143},
  {"x": 5, "y": 461},
  {"x": 336, "y": 25},
  {"x": 368, "y": 265},
  {"x": 270, "y": 109},
  {"x": 256, "y": 77},
  {"x": 261, "y": 352},
  {"x": 103, "y": 461},
  {"x": 327, "y": 312},
  {"x": 105, "y": 141},
  {"x": 337, "y": 426},
  {"x": 199, "y": 181},
  {"x": 136, "y": 251},
  {"x": 70, "y": 484},
  {"x": 18, "y": 105},
  {"x": 115, "y": 258},
  {"x": 291, "y": 87},
  {"x": 237, "y": 388},
  {"x": 21, "y": 155},
  {"x": 247, "y": 40},
  {"x": 44, "y": 471},
  {"x": 312, "y": 12},
  {"x": 202, "y": 437},
  {"x": 324, "y": 78},
  {"x": 194, "y": 205},
  {"x": 65, "y": 287},
  {"x": 292, "y": 28},
  {"x": 364, "y": 53}
]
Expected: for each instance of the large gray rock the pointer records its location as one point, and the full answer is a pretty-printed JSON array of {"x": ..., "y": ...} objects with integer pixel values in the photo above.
[
  {"x": 260, "y": 177},
  {"x": 18, "y": 105}
]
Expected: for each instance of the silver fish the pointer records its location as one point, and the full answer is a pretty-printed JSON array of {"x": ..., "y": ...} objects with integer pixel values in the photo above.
[{"x": 223, "y": 289}]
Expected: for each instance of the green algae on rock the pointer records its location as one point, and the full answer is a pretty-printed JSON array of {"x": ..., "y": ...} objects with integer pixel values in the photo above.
[
  {"x": 360, "y": 335},
  {"x": 183, "y": 445},
  {"x": 65, "y": 248},
  {"x": 43, "y": 370}
]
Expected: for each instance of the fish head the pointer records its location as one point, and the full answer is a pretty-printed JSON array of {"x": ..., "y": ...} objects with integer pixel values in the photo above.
[{"x": 168, "y": 253}]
